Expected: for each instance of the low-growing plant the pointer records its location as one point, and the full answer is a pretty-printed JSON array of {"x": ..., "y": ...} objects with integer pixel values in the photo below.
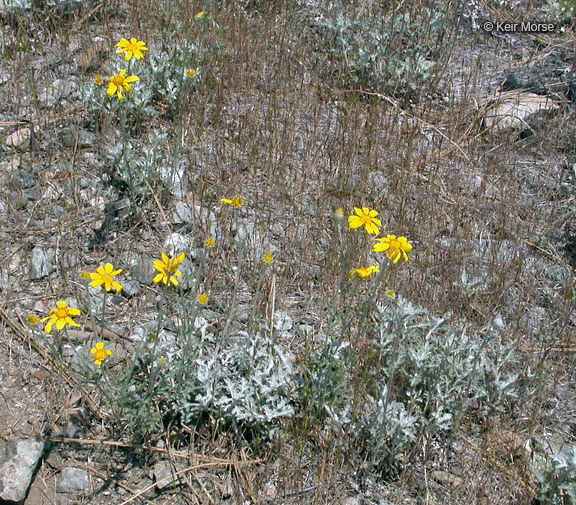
[
  {"x": 393, "y": 50},
  {"x": 558, "y": 479},
  {"x": 419, "y": 377}
]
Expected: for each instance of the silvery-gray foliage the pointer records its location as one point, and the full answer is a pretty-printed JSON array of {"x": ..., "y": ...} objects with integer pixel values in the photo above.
[{"x": 425, "y": 375}]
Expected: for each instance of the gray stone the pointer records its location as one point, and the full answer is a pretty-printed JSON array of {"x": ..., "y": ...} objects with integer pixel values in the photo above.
[
  {"x": 182, "y": 213},
  {"x": 73, "y": 480},
  {"x": 131, "y": 288},
  {"x": 205, "y": 219},
  {"x": 59, "y": 89},
  {"x": 41, "y": 265},
  {"x": 143, "y": 271},
  {"x": 176, "y": 244},
  {"x": 175, "y": 179},
  {"x": 17, "y": 468},
  {"x": 24, "y": 179},
  {"x": 20, "y": 139},
  {"x": 164, "y": 474},
  {"x": 282, "y": 321},
  {"x": 4, "y": 77},
  {"x": 72, "y": 136},
  {"x": 252, "y": 240},
  {"x": 304, "y": 330}
]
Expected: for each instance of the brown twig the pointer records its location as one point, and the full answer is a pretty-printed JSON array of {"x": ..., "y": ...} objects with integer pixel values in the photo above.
[{"x": 123, "y": 445}]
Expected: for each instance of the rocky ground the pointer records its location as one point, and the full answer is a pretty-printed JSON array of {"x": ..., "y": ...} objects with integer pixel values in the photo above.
[{"x": 488, "y": 189}]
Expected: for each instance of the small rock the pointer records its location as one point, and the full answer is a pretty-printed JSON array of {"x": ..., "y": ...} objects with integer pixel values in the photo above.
[
  {"x": 182, "y": 213},
  {"x": 68, "y": 260},
  {"x": 282, "y": 321},
  {"x": 143, "y": 271},
  {"x": 447, "y": 479},
  {"x": 23, "y": 179},
  {"x": 131, "y": 288},
  {"x": 73, "y": 480},
  {"x": 164, "y": 474},
  {"x": 72, "y": 136},
  {"x": 93, "y": 56},
  {"x": 270, "y": 490},
  {"x": 513, "y": 109},
  {"x": 41, "y": 266},
  {"x": 17, "y": 468},
  {"x": 205, "y": 219},
  {"x": 175, "y": 179},
  {"x": 4, "y": 77},
  {"x": 304, "y": 330},
  {"x": 176, "y": 244},
  {"x": 252, "y": 240},
  {"x": 20, "y": 139}
]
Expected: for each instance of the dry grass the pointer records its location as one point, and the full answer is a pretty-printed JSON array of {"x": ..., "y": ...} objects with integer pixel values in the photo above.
[{"x": 275, "y": 118}]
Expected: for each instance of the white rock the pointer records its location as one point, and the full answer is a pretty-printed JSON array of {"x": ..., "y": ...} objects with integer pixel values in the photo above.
[
  {"x": 176, "y": 244},
  {"x": 73, "y": 480},
  {"x": 17, "y": 468},
  {"x": 19, "y": 139},
  {"x": 41, "y": 265},
  {"x": 282, "y": 321}
]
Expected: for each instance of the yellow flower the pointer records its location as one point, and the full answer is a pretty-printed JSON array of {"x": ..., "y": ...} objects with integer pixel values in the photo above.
[
  {"x": 201, "y": 15},
  {"x": 85, "y": 275},
  {"x": 390, "y": 293},
  {"x": 363, "y": 273},
  {"x": 131, "y": 47},
  {"x": 339, "y": 214},
  {"x": 98, "y": 80},
  {"x": 119, "y": 83},
  {"x": 236, "y": 201},
  {"x": 100, "y": 354},
  {"x": 209, "y": 243},
  {"x": 104, "y": 276},
  {"x": 268, "y": 258},
  {"x": 367, "y": 218},
  {"x": 190, "y": 73},
  {"x": 32, "y": 319},
  {"x": 168, "y": 269},
  {"x": 396, "y": 247},
  {"x": 203, "y": 299},
  {"x": 60, "y": 316}
]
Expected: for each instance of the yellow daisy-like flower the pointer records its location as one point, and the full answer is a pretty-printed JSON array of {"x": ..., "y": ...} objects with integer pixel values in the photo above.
[
  {"x": 168, "y": 269},
  {"x": 367, "y": 218},
  {"x": 363, "y": 273},
  {"x": 100, "y": 354},
  {"x": 203, "y": 299},
  {"x": 131, "y": 47},
  {"x": 201, "y": 15},
  {"x": 209, "y": 243},
  {"x": 60, "y": 316},
  {"x": 268, "y": 259},
  {"x": 104, "y": 276},
  {"x": 397, "y": 247},
  {"x": 119, "y": 83},
  {"x": 32, "y": 319},
  {"x": 235, "y": 202},
  {"x": 390, "y": 293},
  {"x": 98, "y": 80},
  {"x": 190, "y": 73}
]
